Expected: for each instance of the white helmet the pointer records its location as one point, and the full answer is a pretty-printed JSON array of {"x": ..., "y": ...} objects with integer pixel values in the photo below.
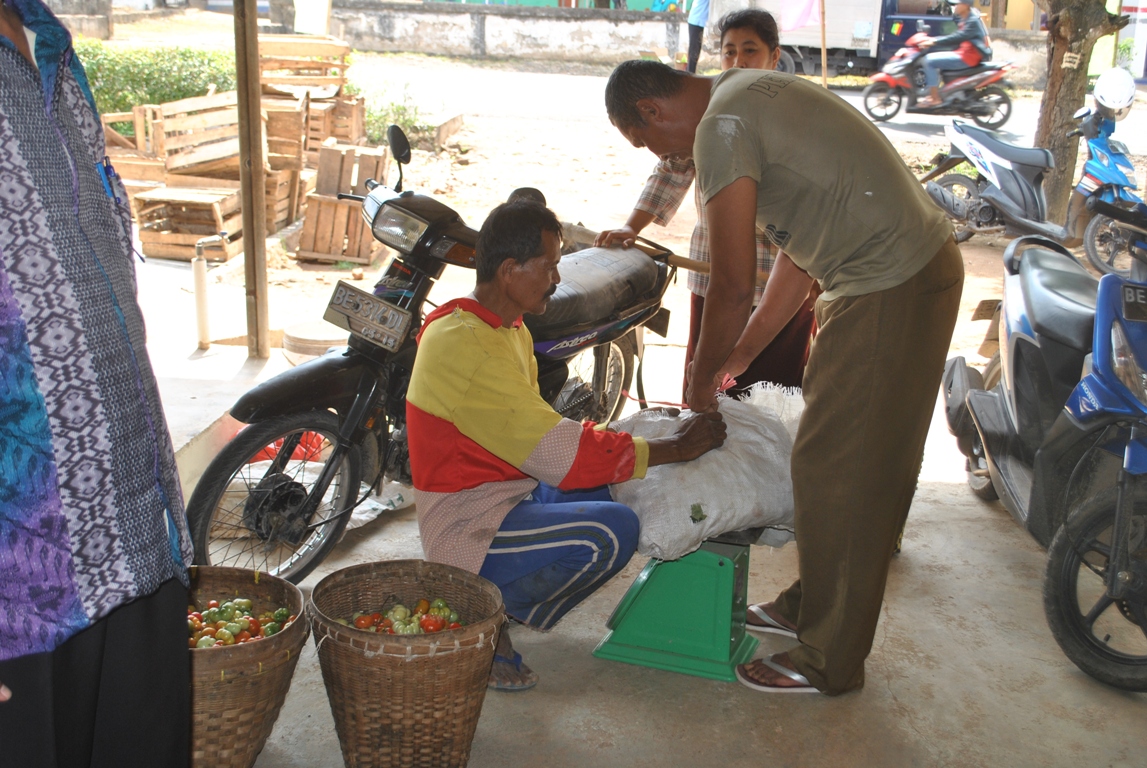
[{"x": 1115, "y": 93}]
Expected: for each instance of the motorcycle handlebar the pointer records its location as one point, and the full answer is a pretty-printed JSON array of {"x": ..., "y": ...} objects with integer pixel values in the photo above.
[{"x": 1131, "y": 218}]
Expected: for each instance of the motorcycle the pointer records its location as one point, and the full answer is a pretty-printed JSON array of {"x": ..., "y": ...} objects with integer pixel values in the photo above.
[
  {"x": 976, "y": 92},
  {"x": 278, "y": 496},
  {"x": 1061, "y": 439},
  {"x": 1007, "y": 193}
]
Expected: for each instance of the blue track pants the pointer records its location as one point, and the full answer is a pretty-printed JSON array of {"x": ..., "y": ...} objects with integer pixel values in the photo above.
[{"x": 555, "y": 549}]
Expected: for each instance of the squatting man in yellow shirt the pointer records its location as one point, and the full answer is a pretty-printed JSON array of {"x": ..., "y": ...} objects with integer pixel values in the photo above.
[{"x": 505, "y": 486}]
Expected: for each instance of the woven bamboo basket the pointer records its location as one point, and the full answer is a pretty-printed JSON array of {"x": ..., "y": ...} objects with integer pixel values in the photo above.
[
  {"x": 237, "y": 691},
  {"x": 405, "y": 700}
]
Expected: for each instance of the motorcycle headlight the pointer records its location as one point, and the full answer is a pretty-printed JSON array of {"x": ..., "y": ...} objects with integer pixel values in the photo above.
[
  {"x": 398, "y": 229},
  {"x": 1127, "y": 369}
]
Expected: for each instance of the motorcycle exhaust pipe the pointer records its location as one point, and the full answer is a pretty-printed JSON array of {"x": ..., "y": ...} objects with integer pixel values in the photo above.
[{"x": 952, "y": 205}]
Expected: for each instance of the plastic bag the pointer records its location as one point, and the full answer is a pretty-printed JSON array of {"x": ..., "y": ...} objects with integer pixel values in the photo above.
[{"x": 743, "y": 484}]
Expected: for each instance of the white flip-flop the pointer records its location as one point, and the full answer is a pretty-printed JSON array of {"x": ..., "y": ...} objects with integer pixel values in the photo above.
[
  {"x": 770, "y": 625},
  {"x": 804, "y": 685}
]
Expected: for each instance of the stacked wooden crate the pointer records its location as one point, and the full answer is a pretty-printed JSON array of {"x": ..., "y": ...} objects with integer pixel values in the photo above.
[
  {"x": 286, "y": 124},
  {"x": 171, "y": 219},
  {"x": 333, "y": 229}
]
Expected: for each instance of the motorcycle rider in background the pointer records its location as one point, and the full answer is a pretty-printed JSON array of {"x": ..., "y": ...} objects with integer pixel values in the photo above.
[{"x": 972, "y": 46}]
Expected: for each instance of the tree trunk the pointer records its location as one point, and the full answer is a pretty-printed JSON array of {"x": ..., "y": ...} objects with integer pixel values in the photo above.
[{"x": 1073, "y": 26}]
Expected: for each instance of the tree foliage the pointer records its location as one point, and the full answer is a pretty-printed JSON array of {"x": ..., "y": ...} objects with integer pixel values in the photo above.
[{"x": 1073, "y": 27}]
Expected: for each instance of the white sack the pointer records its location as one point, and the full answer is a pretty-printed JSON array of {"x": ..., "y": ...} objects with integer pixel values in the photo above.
[{"x": 743, "y": 484}]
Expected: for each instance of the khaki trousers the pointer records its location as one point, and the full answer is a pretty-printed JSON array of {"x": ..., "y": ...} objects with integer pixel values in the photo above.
[{"x": 870, "y": 389}]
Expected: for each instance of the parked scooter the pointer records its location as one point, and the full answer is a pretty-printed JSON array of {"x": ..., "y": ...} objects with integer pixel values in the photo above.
[
  {"x": 1007, "y": 193},
  {"x": 976, "y": 92},
  {"x": 278, "y": 496},
  {"x": 1062, "y": 440}
]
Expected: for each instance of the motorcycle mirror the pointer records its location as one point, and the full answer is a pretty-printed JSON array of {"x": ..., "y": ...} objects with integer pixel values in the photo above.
[
  {"x": 399, "y": 150},
  {"x": 1081, "y": 113},
  {"x": 399, "y": 144}
]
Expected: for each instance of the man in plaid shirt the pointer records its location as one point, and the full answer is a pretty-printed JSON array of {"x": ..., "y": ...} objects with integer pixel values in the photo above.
[{"x": 749, "y": 40}]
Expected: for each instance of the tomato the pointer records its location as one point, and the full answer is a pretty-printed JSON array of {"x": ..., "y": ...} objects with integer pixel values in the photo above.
[
  {"x": 205, "y": 642},
  {"x": 224, "y": 637},
  {"x": 422, "y": 607},
  {"x": 195, "y": 615},
  {"x": 209, "y": 631},
  {"x": 243, "y": 636},
  {"x": 212, "y": 603},
  {"x": 439, "y": 603},
  {"x": 191, "y": 641},
  {"x": 253, "y": 625},
  {"x": 282, "y": 614},
  {"x": 432, "y": 623},
  {"x": 362, "y": 622},
  {"x": 271, "y": 628},
  {"x": 455, "y": 625}
]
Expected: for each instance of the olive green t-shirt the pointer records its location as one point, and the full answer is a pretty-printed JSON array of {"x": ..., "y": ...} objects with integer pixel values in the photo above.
[{"x": 832, "y": 191}]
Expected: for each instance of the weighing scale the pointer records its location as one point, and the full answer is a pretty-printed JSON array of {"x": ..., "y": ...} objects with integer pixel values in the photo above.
[{"x": 687, "y": 615}]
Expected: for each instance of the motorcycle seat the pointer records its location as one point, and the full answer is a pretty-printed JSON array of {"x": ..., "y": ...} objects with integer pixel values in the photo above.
[
  {"x": 597, "y": 284},
  {"x": 1033, "y": 156},
  {"x": 952, "y": 74},
  {"x": 1060, "y": 297}
]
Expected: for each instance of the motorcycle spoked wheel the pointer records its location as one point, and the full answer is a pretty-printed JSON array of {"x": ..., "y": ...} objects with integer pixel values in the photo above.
[
  {"x": 244, "y": 515},
  {"x": 1105, "y": 638},
  {"x": 1107, "y": 247},
  {"x": 579, "y": 401},
  {"x": 1001, "y": 108},
  {"x": 881, "y": 101}
]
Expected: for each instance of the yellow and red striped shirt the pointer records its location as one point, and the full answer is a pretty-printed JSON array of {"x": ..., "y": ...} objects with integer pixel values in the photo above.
[{"x": 481, "y": 436}]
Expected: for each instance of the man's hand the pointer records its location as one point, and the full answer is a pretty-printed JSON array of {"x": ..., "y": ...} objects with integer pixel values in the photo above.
[
  {"x": 5, "y": 693},
  {"x": 701, "y": 396},
  {"x": 697, "y": 435},
  {"x": 926, "y": 43},
  {"x": 623, "y": 236}
]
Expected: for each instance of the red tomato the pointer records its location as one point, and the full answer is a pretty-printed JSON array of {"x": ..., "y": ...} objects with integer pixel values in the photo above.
[
  {"x": 376, "y": 619},
  {"x": 191, "y": 642},
  {"x": 212, "y": 603},
  {"x": 292, "y": 618},
  {"x": 432, "y": 623},
  {"x": 455, "y": 625},
  {"x": 195, "y": 615},
  {"x": 253, "y": 625},
  {"x": 386, "y": 623},
  {"x": 243, "y": 636},
  {"x": 362, "y": 622}
]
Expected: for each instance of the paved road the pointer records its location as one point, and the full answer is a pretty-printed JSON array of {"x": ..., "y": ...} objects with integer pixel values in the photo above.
[{"x": 1020, "y": 129}]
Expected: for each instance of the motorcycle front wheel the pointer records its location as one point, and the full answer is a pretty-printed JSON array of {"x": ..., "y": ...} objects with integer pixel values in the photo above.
[
  {"x": 1107, "y": 247},
  {"x": 1105, "y": 638},
  {"x": 580, "y": 400},
  {"x": 881, "y": 101},
  {"x": 1000, "y": 104},
  {"x": 246, "y": 510}
]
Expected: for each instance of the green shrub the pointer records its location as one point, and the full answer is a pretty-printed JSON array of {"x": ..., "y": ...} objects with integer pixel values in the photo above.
[
  {"x": 405, "y": 115},
  {"x": 122, "y": 77}
]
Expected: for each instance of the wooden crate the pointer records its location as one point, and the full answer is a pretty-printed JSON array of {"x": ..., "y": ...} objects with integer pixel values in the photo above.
[
  {"x": 345, "y": 168},
  {"x": 294, "y": 62},
  {"x": 198, "y": 136},
  {"x": 172, "y": 219},
  {"x": 342, "y": 118},
  {"x": 334, "y": 231}
]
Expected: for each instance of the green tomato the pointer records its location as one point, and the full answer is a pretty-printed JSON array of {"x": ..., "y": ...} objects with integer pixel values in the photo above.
[
  {"x": 242, "y": 604},
  {"x": 282, "y": 615},
  {"x": 344, "y": 622},
  {"x": 233, "y": 628},
  {"x": 398, "y": 613},
  {"x": 207, "y": 641},
  {"x": 225, "y": 637},
  {"x": 272, "y": 628},
  {"x": 439, "y": 603},
  {"x": 211, "y": 615},
  {"x": 190, "y": 627},
  {"x": 453, "y": 617}
]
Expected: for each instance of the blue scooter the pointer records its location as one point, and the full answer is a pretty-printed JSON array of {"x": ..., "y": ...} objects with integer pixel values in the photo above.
[
  {"x": 1007, "y": 194},
  {"x": 1062, "y": 440}
]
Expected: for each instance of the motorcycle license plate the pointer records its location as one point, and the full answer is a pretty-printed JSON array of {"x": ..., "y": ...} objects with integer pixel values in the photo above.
[
  {"x": 1135, "y": 303},
  {"x": 367, "y": 316}
]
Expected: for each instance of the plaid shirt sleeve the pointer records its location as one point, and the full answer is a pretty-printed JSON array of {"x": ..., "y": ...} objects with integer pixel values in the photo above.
[{"x": 666, "y": 189}]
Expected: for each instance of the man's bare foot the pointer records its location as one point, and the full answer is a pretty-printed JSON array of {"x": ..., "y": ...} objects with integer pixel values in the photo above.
[
  {"x": 765, "y": 618},
  {"x": 508, "y": 672},
  {"x": 766, "y": 675}
]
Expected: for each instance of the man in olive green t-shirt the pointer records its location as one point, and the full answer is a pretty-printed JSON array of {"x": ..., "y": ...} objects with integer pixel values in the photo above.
[{"x": 782, "y": 154}]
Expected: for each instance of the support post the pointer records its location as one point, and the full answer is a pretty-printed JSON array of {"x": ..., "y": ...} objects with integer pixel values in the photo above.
[
  {"x": 252, "y": 177},
  {"x": 824, "y": 48}
]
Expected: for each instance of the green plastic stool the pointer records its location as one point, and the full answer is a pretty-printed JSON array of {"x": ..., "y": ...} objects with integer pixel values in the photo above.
[{"x": 687, "y": 615}]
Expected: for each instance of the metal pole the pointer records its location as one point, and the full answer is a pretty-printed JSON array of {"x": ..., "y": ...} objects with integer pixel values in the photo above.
[
  {"x": 252, "y": 177},
  {"x": 823, "y": 49},
  {"x": 199, "y": 274}
]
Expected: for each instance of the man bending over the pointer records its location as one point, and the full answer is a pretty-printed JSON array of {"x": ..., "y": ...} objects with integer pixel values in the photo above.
[{"x": 506, "y": 487}]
